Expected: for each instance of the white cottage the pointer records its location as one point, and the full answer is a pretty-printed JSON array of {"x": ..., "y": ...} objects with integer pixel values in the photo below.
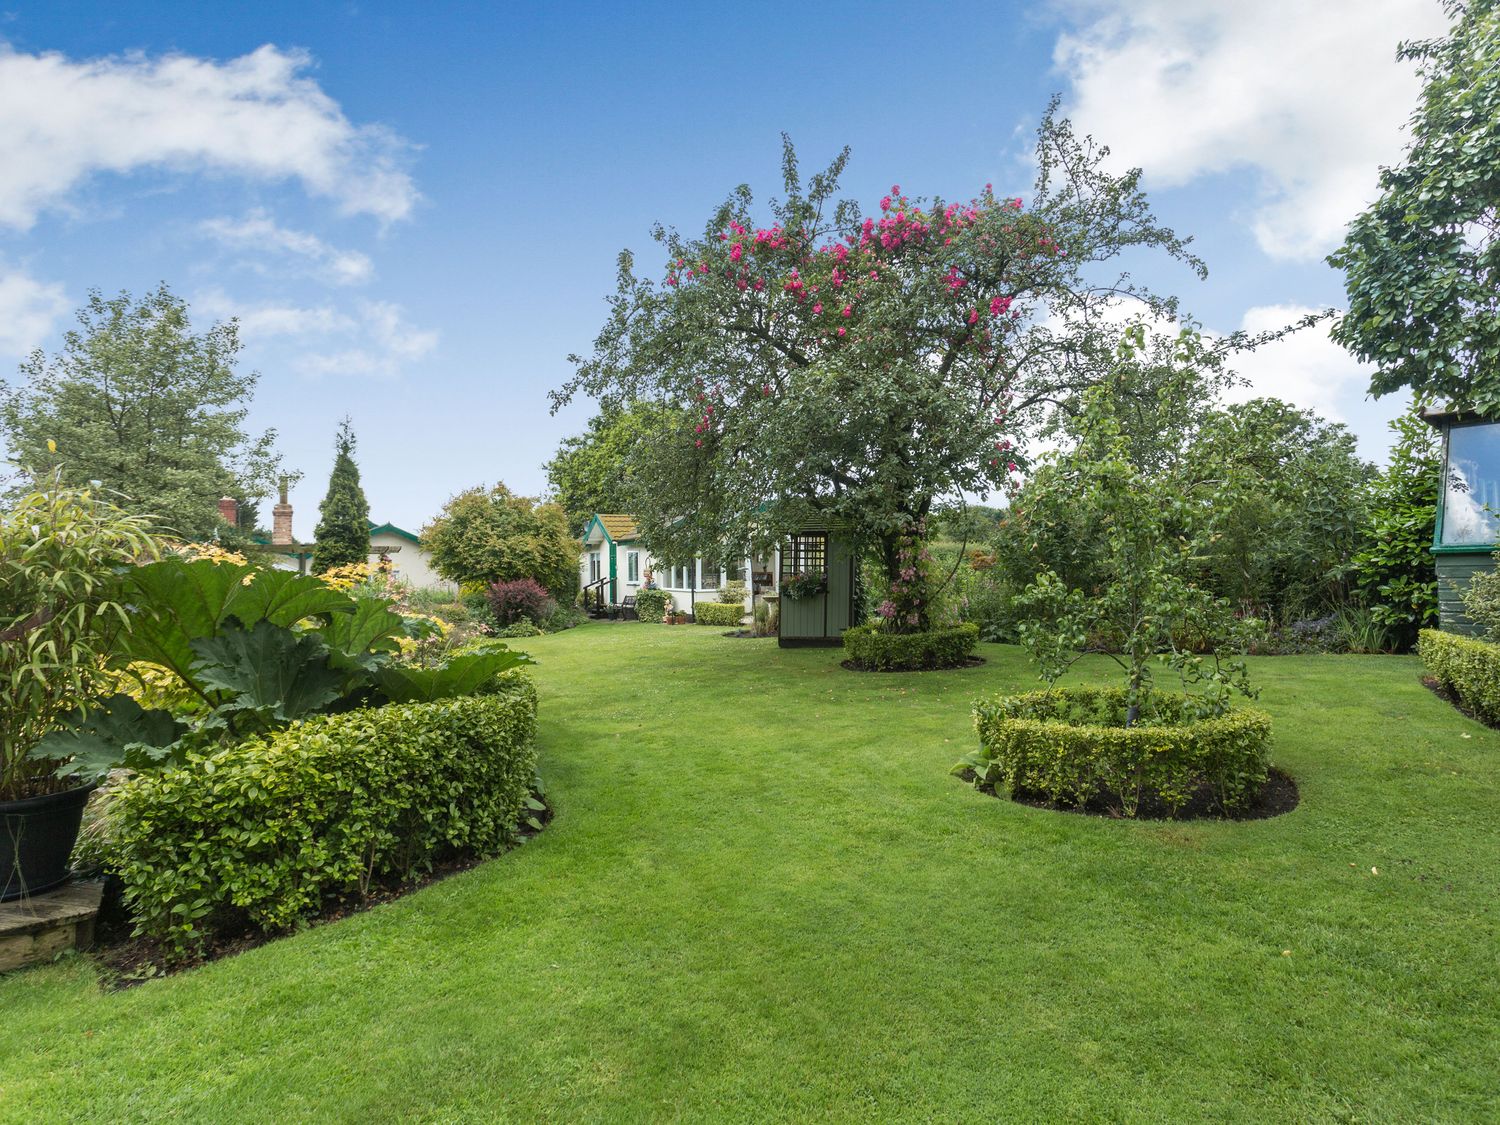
[{"x": 614, "y": 565}]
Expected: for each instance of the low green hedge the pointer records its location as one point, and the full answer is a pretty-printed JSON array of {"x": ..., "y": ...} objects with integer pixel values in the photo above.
[
  {"x": 872, "y": 648},
  {"x": 266, "y": 831},
  {"x": 718, "y": 613},
  {"x": 1070, "y": 744},
  {"x": 1467, "y": 667},
  {"x": 651, "y": 605}
]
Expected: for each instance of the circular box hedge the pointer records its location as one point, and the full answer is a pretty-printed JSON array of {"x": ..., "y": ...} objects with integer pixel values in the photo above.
[
  {"x": 1072, "y": 744},
  {"x": 872, "y": 649}
]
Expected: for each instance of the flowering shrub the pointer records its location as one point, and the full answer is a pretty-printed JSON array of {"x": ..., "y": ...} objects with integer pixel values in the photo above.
[{"x": 522, "y": 598}]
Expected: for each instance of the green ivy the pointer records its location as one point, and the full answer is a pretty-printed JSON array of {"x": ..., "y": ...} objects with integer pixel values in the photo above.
[{"x": 651, "y": 605}]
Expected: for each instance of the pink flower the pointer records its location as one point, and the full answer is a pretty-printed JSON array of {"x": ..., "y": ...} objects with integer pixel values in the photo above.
[
  {"x": 848, "y": 311},
  {"x": 817, "y": 309},
  {"x": 973, "y": 316},
  {"x": 885, "y": 203},
  {"x": 736, "y": 252},
  {"x": 841, "y": 331},
  {"x": 886, "y": 608}
]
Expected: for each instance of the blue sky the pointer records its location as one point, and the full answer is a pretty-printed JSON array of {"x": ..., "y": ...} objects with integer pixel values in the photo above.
[{"x": 416, "y": 209}]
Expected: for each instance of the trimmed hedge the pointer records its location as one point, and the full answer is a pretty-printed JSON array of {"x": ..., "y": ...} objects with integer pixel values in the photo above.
[
  {"x": 1070, "y": 744},
  {"x": 718, "y": 613},
  {"x": 651, "y": 605},
  {"x": 268, "y": 830},
  {"x": 872, "y": 648},
  {"x": 1467, "y": 667}
]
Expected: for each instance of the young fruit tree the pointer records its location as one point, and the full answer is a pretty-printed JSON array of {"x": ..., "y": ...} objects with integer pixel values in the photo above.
[
  {"x": 858, "y": 368},
  {"x": 1153, "y": 526}
]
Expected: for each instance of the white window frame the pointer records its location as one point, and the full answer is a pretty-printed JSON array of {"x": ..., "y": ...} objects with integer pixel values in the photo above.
[{"x": 632, "y": 567}]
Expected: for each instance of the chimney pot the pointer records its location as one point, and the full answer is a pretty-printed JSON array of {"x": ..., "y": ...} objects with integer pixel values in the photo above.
[{"x": 281, "y": 521}]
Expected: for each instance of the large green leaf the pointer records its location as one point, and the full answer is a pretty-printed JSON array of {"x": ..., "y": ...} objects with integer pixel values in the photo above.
[
  {"x": 354, "y": 637},
  {"x": 178, "y": 602},
  {"x": 283, "y": 597},
  {"x": 276, "y": 672},
  {"x": 175, "y": 602},
  {"x": 115, "y": 732},
  {"x": 461, "y": 675}
]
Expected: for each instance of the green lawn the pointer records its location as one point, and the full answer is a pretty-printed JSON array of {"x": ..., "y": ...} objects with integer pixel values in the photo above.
[{"x": 764, "y": 898}]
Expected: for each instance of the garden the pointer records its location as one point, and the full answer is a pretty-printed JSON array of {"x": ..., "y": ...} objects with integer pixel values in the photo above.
[{"x": 764, "y": 897}]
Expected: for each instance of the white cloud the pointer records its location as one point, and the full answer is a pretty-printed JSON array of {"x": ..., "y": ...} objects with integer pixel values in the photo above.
[
  {"x": 259, "y": 116},
  {"x": 28, "y": 310},
  {"x": 258, "y": 233},
  {"x": 389, "y": 343},
  {"x": 1308, "y": 95},
  {"x": 259, "y": 322},
  {"x": 1306, "y": 368}
]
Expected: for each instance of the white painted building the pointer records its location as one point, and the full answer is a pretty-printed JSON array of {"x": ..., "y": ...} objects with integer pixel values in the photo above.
[{"x": 615, "y": 564}]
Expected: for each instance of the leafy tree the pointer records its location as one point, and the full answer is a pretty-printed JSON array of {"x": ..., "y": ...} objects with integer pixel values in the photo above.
[
  {"x": 137, "y": 400},
  {"x": 487, "y": 536},
  {"x": 1146, "y": 604},
  {"x": 1276, "y": 495},
  {"x": 1394, "y": 569},
  {"x": 861, "y": 368},
  {"x": 343, "y": 532},
  {"x": 592, "y": 471},
  {"x": 1423, "y": 294}
]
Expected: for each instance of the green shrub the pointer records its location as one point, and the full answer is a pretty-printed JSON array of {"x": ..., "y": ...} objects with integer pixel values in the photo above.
[
  {"x": 522, "y": 628},
  {"x": 1467, "y": 667},
  {"x": 267, "y": 830},
  {"x": 718, "y": 613},
  {"x": 651, "y": 605},
  {"x": 733, "y": 592},
  {"x": 1072, "y": 743},
  {"x": 872, "y": 648}
]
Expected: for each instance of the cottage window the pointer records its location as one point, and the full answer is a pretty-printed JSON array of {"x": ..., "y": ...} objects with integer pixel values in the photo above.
[
  {"x": 710, "y": 575},
  {"x": 1471, "y": 485},
  {"x": 632, "y": 566}
]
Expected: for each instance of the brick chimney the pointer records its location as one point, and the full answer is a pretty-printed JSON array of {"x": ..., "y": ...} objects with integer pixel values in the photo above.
[
  {"x": 229, "y": 510},
  {"x": 281, "y": 521}
]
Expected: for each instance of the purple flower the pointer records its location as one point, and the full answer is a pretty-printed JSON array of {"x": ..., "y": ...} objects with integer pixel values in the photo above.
[{"x": 887, "y": 608}]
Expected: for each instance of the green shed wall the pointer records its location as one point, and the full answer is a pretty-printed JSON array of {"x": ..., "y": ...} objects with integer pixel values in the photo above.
[{"x": 1454, "y": 569}]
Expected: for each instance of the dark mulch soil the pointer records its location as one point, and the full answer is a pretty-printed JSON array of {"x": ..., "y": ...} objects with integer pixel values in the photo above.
[
  {"x": 1447, "y": 696},
  {"x": 969, "y": 662},
  {"x": 126, "y": 961},
  {"x": 748, "y": 635},
  {"x": 1277, "y": 796}
]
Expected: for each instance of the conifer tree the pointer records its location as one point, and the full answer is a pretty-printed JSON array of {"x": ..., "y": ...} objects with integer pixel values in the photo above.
[{"x": 343, "y": 533}]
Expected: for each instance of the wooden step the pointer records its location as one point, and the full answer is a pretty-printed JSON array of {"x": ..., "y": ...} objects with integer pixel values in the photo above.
[{"x": 38, "y": 928}]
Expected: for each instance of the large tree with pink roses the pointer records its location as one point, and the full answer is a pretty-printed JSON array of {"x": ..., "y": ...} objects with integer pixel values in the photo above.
[{"x": 823, "y": 363}]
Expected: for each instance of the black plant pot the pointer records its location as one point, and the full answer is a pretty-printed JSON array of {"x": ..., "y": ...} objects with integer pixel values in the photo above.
[{"x": 36, "y": 841}]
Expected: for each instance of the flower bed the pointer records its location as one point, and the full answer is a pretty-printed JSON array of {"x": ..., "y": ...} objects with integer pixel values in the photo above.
[
  {"x": 871, "y": 648},
  {"x": 1071, "y": 746},
  {"x": 718, "y": 613},
  {"x": 1468, "y": 668},
  {"x": 266, "y": 830}
]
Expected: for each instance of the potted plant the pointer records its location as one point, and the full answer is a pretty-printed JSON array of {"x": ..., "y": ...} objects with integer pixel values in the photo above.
[{"x": 59, "y": 550}]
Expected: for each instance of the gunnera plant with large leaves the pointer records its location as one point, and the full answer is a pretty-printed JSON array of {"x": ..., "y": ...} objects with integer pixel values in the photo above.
[{"x": 255, "y": 650}]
